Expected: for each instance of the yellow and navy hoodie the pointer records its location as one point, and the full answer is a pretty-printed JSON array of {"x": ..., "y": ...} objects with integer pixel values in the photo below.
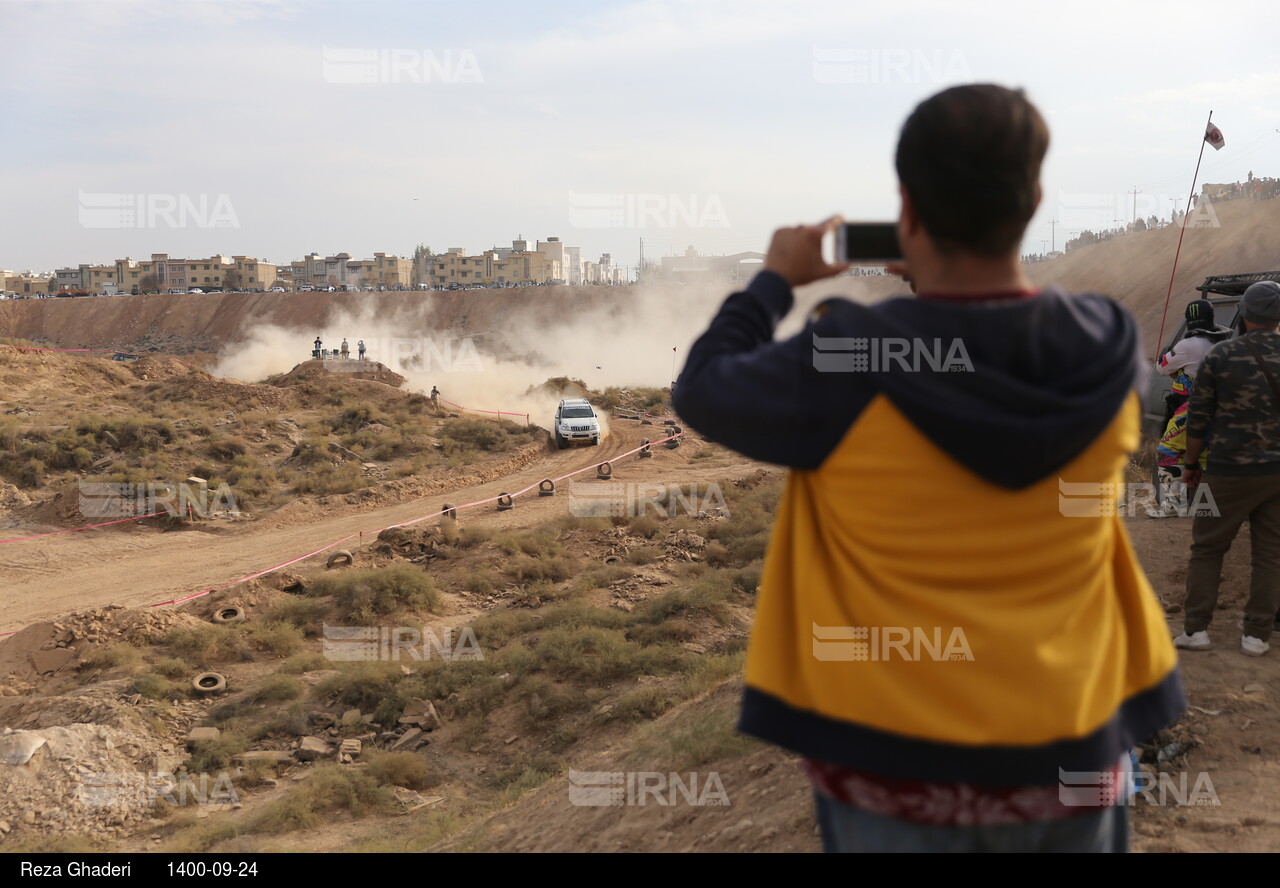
[{"x": 933, "y": 607}]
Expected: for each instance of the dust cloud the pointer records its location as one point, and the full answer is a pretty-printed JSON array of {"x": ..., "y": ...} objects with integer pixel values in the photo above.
[{"x": 625, "y": 340}]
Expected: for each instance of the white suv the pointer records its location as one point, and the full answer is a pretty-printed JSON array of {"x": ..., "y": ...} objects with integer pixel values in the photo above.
[{"x": 576, "y": 423}]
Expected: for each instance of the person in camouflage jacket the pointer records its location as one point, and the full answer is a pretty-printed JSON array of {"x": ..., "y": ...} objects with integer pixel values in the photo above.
[{"x": 1234, "y": 399}]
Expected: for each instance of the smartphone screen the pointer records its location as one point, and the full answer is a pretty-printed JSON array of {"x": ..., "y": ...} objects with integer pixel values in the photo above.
[{"x": 867, "y": 242}]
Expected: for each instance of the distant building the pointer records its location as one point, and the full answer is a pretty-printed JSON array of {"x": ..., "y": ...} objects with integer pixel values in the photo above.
[
  {"x": 554, "y": 250},
  {"x": 26, "y": 283},
  {"x": 517, "y": 265},
  {"x": 734, "y": 268},
  {"x": 605, "y": 271},
  {"x": 255, "y": 274}
]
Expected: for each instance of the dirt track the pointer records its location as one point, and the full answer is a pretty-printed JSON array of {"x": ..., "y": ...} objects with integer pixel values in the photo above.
[{"x": 45, "y": 578}]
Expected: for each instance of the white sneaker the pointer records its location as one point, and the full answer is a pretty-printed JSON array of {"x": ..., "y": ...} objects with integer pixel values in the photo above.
[
  {"x": 1197, "y": 641},
  {"x": 1253, "y": 647}
]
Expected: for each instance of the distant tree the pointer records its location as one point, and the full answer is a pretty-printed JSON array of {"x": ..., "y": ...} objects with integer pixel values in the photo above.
[
  {"x": 233, "y": 280},
  {"x": 53, "y": 285},
  {"x": 150, "y": 283}
]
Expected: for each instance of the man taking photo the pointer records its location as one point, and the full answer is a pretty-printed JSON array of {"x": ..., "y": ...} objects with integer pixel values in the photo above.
[{"x": 943, "y": 641}]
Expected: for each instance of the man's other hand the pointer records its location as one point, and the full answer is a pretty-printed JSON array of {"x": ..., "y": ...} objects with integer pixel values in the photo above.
[{"x": 796, "y": 253}]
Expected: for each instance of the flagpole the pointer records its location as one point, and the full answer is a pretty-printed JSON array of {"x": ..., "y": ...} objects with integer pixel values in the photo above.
[
  {"x": 673, "y": 365},
  {"x": 1203, "y": 139}
]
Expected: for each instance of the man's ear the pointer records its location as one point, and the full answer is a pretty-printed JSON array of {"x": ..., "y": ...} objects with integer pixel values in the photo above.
[{"x": 908, "y": 219}]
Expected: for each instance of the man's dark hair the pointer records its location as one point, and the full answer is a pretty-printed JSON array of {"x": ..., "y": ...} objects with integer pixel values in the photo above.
[{"x": 969, "y": 158}]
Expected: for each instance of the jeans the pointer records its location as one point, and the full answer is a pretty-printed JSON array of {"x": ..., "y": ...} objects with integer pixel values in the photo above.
[{"x": 848, "y": 829}]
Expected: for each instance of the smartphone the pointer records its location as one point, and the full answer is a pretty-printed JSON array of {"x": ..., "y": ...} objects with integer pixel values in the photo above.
[{"x": 867, "y": 242}]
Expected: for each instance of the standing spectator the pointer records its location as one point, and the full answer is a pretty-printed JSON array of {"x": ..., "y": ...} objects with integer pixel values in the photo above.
[
  {"x": 319, "y": 347},
  {"x": 1237, "y": 398},
  {"x": 926, "y": 496},
  {"x": 360, "y": 348},
  {"x": 435, "y": 399},
  {"x": 1182, "y": 362},
  {"x": 344, "y": 351}
]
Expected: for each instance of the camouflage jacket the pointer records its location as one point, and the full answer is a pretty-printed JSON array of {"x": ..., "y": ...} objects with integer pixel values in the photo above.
[{"x": 1232, "y": 400}]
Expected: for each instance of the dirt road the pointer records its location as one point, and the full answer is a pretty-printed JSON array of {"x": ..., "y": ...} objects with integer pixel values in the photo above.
[{"x": 45, "y": 578}]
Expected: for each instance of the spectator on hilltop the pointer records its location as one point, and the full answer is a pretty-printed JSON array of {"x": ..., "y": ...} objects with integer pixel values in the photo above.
[{"x": 921, "y": 497}]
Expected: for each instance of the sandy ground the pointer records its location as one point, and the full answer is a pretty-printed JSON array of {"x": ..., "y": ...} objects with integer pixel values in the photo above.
[{"x": 56, "y": 575}]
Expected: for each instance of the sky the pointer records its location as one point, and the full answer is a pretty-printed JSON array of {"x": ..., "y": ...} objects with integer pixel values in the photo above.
[{"x": 284, "y": 127}]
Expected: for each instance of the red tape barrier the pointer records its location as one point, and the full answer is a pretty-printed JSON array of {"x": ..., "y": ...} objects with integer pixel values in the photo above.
[
  {"x": 360, "y": 534},
  {"x": 493, "y": 412},
  {"x": 74, "y": 529}
]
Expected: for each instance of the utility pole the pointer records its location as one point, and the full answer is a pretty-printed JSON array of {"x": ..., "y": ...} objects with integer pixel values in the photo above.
[
  {"x": 640, "y": 268},
  {"x": 1135, "y": 192},
  {"x": 1043, "y": 244},
  {"x": 1053, "y": 237}
]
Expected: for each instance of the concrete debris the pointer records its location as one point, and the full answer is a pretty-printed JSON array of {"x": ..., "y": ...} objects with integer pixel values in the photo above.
[
  {"x": 311, "y": 748},
  {"x": 407, "y": 738},
  {"x": 421, "y": 713}
]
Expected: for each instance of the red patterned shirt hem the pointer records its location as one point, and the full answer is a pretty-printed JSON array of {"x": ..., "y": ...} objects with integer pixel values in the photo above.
[{"x": 955, "y": 804}]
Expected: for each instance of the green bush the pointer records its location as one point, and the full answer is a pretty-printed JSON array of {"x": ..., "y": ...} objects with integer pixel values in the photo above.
[
  {"x": 226, "y": 449},
  {"x": 211, "y": 756},
  {"x": 276, "y": 637},
  {"x": 362, "y": 685},
  {"x": 204, "y": 645},
  {"x": 365, "y": 596},
  {"x": 305, "y": 613},
  {"x": 327, "y": 789},
  {"x": 598, "y": 654},
  {"x": 400, "y": 769},
  {"x": 276, "y": 689},
  {"x": 171, "y": 667},
  {"x": 151, "y": 686}
]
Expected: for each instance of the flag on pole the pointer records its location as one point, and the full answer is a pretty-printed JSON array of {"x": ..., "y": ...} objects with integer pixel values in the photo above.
[{"x": 1213, "y": 136}]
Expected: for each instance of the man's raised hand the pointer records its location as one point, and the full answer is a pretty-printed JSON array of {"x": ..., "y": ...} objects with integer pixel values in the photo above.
[{"x": 796, "y": 253}]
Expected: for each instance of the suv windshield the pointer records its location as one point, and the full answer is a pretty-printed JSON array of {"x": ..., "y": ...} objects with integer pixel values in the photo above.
[{"x": 576, "y": 413}]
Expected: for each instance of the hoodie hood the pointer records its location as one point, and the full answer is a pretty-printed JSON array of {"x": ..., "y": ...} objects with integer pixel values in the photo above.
[{"x": 1031, "y": 382}]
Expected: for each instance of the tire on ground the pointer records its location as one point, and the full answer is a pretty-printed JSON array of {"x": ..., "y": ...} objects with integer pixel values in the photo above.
[
  {"x": 209, "y": 683},
  {"x": 339, "y": 556},
  {"x": 229, "y": 615}
]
